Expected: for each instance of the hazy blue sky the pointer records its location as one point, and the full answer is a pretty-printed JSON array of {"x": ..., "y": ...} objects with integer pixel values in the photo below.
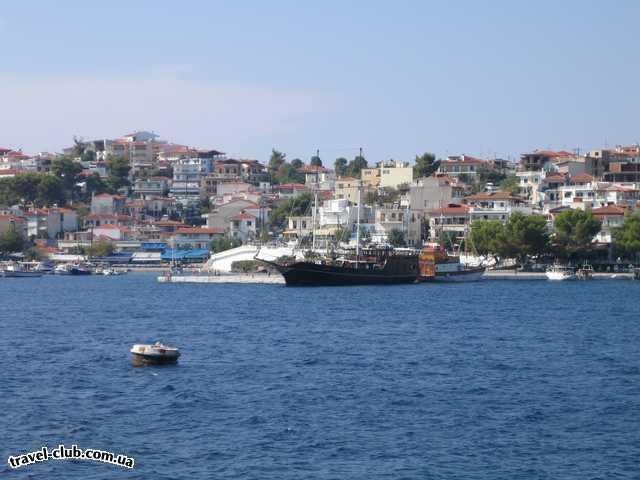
[{"x": 395, "y": 77}]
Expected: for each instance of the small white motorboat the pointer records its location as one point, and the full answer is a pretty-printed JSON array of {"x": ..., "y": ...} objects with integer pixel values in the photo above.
[
  {"x": 560, "y": 272},
  {"x": 156, "y": 354}
]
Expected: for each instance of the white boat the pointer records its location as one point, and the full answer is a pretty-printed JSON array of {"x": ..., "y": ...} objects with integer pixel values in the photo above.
[
  {"x": 18, "y": 270},
  {"x": 155, "y": 354},
  {"x": 560, "y": 272},
  {"x": 454, "y": 271}
]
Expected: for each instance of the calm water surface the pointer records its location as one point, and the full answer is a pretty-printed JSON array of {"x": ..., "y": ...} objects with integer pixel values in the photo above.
[{"x": 493, "y": 380}]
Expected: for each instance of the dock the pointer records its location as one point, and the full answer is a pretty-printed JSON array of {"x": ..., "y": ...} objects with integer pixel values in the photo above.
[
  {"x": 273, "y": 279},
  {"x": 511, "y": 275}
]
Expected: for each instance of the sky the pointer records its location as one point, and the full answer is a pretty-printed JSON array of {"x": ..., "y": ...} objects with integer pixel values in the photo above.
[{"x": 397, "y": 78}]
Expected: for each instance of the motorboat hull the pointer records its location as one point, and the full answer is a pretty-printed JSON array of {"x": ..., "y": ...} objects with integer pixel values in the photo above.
[
  {"x": 467, "y": 275},
  {"x": 12, "y": 274},
  {"x": 143, "y": 359},
  {"x": 559, "y": 276}
]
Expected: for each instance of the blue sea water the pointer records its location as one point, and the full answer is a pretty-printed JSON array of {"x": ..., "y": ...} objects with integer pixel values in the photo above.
[{"x": 491, "y": 380}]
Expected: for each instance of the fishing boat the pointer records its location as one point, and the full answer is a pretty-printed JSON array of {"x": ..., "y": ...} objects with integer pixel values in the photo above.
[
  {"x": 72, "y": 269},
  {"x": 18, "y": 270},
  {"x": 585, "y": 272},
  {"x": 378, "y": 266},
  {"x": 559, "y": 272},
  {"x": 155, "y": 354},
  {"x": 435, "y": 265}
]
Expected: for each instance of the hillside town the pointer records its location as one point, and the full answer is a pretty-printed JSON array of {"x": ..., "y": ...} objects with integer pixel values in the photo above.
[{"x": 146, "y": 201}]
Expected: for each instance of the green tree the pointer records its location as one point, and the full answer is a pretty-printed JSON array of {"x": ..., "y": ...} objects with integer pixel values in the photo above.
[
  {"x": 32, "y": 254},
  {"x": 118, "y": 170},
  {"x": 297, "y": 163},
  {"x": 524, "y": 236},
  {"x": 342, "y": 234},
  {"x": 296, "y": 206},
  {"x": 340, "y": 166},
  {"x": 68, "y": 171},
  {"x": 510, "y": 184},
  {"x": 425, "y": 165},
  {"x": 316, "y": 161},
  {"x": 627, "y": 237},
  {"x": 11, "y": 241},
  {"x": 223, "y": 243},
  {"x": 356, "y": 165},
  {"x": 50, "y": 191},
  {"x": 95, "y": 185},
  {"x": 103, "y": 248},
  {"x": 88, "y": 156},
  {"x": 276, "y": 160},
  {"x": 287, "y": 173},
  {"x": 574, "y": 232},
  {"x": 485, "y": 237},
  {"x": 396, "y": 238}
]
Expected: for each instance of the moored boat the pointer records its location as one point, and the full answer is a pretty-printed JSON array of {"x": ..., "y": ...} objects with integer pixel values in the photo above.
[
  {"x": 559, "y": 272},
  {"x": 18, "y": 270},
  {"x": 585, "y": 272},
  {"x": 72, "y": 269},
  {"x": 155, "y": 354},
  {"x": 368, "y": 267},
  {"x": 436, "y": 266}
]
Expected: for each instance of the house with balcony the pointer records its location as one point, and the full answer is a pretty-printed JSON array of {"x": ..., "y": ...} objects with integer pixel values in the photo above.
[
  {"x": 243, "y": 227},
  {"x": 151, "y": 187},
  {"x": 107, "y": 203},
  {"x": 463, "y": 166},
  {"x": 434, "y": 192},
  {"x": 50, "y": 223},
  {"x": 611, "y": 217},
  {"x": 495, "y": 206},
  {"x": 580, "y": 189},
  {"x": 404, "y": 220},
  {"x": 13, "y": 222},
  {"x": 347, "y": 188},
  {"x": 194, "y": 238},
  {"x": 453, "y": 219}
]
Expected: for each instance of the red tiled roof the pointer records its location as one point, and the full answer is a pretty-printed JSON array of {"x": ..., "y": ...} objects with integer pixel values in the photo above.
[
  {"x": 551, "y": 153},
  {"x": 451, "y": 209},
  {"x": 608, "y": 210},
  {"x": 582, "y": 178}
]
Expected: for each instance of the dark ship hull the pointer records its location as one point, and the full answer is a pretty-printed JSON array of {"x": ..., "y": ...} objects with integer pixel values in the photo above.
[{"x": 396, "y": 270}]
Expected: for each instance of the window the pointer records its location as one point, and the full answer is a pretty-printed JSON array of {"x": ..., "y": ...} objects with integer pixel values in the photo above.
[
  {"x": 382, "y": 217},
  {"x": 248, "y": 223}
]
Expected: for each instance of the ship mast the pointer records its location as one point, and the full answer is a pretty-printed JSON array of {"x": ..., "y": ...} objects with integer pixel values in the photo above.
[
  {"x": 313, "y": 220},
  {"x": 358, "y": 221}
]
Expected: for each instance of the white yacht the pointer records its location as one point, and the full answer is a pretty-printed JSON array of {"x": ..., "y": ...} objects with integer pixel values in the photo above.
[{"x": 560, "y": 272}]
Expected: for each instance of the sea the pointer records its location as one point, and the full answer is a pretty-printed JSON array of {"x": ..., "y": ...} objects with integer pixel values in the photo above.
[{"x": 486, "y": 380}]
